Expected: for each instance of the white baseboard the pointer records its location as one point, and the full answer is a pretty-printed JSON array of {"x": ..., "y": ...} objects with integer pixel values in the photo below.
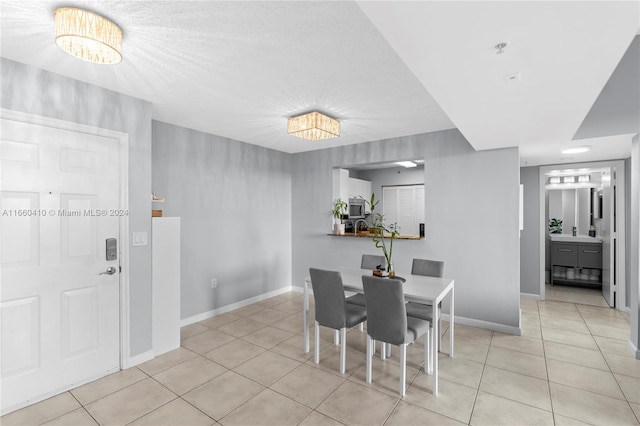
[
  {"x": 530, "y": 296},
  {"x": 625, "y": 309},
  {"x": 633, "y": 350},
  {"x": 137, "y": 359},
  {"x": 484, "y": 324},
  {"x": 228, "y": 308}
]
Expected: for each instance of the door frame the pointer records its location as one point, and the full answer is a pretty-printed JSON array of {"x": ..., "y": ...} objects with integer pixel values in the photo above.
[
  {"x": 123, "y": 145},
  {"x": 621, "y": 297}
]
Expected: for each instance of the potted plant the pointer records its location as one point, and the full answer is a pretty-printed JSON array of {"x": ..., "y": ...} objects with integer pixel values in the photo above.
[
  {"x": 363, "y": 228},
  {"x": 381, "y": 231},
  {"x": 555, "y": 226},
  {"x": 339, "y": 210}
]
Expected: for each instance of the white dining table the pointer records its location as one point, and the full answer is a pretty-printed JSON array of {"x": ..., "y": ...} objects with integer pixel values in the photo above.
[{"x": 417, "y": 288}]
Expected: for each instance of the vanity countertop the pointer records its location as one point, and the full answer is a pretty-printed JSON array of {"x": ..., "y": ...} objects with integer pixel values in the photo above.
[{"x": 568, "y": 238}]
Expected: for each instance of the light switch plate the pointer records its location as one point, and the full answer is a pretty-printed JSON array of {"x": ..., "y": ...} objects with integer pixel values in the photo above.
[{"x": 139, "y": 239}]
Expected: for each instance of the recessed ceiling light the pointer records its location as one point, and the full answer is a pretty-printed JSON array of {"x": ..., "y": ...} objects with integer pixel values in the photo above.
[
  {"x": 406, "y": 164},
  {"x": 576, "y": 149}
]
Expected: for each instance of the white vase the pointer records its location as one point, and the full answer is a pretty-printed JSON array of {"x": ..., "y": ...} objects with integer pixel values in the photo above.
[{"x": 338, "y": 228}]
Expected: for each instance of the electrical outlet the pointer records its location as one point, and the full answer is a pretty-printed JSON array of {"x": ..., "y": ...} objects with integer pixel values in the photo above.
[{"x": 214, "y": 282}]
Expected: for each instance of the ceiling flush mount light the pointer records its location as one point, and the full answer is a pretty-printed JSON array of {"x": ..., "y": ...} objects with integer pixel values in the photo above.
[
  {"x": 313, "y": 126},
  {"x": 576, "y": 149},
  {"x": 88, "y": 36},
  {"x": 406, "y": 164}
]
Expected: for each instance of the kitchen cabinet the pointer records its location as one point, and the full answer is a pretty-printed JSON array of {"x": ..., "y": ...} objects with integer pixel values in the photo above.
[
  {"x": 576, "y": 263},
  {"x": 359, "y": 188},
  {"x": 340, "y": 185}
]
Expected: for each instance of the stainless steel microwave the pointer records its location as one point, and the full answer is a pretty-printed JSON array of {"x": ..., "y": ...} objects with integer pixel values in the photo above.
[{"x": 356, "y": 208}]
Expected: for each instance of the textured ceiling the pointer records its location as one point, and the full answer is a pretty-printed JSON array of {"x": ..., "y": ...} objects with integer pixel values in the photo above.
[
  {"x": 385, "y": 69},
  {"x": 239, "y": 69}
]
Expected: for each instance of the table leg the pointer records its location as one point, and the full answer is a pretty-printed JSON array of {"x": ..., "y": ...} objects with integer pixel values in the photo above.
[
  {"x": 434, "y": 348},
  {"x": 451, "y": 323},
  {"x": 305, "y": 316}
]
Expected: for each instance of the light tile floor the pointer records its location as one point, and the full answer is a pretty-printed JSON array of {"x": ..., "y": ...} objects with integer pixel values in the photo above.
[
  {"x": 246, "y": 367},
  {"x": 573, "y": 294}
]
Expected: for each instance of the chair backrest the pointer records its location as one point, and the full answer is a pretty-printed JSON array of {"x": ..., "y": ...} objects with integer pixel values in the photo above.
[
  {"x": 371, "y": 261},
  {"x": 428, "y": 268},
  {"x": 386, "y": 312},
  {"x": 328, "y": 294}
]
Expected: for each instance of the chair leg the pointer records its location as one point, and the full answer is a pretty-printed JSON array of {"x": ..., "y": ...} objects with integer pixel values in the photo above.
[
  {"x": 389, "y": 350},
  {"x": 383, "y": 351},
  {"x": 316, "y": 349},
  {"x": 370, "y": 344},
  {"x": 336, "y": 337},
  {"x": 427, "y": 357},
  {"x": 432, "y": 338},
  {"x": 343, "y": 350},
  {"x": 403, "y": 368},
  {"x": 361, "y": 326}
]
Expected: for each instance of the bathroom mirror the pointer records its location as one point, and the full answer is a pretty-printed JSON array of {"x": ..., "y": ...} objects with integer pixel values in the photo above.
[{"x": 573, "y": 207}]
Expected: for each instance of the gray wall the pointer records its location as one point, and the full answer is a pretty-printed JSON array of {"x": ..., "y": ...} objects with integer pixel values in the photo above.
[
  {"x": 529, "y": 237},
  {"x": 471, "y": 212},
  {"x": 392, "y": 176},
  {"x": 235, "y": 203},
  {"x": 35, "y": 91},
  {"x": 633, "y": 257}
]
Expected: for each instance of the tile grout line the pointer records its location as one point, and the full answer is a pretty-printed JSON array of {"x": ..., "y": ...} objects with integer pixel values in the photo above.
[
  {"x": 546, "y": 367},
  {"x": 626, "y": 398},
  {"x": 484, "y": 367}
]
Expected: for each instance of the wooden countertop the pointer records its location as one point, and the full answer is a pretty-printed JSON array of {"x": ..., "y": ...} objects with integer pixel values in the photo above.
[{"x": 370, "y": 235}]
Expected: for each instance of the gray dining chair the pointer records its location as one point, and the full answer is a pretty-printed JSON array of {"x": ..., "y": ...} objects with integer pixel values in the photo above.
[
  {"x": 429, "y": 268},
  {"x": 332, "y": 310},
  {"x": 369, "y": 261},
  {"x": 387, "y": 322}
]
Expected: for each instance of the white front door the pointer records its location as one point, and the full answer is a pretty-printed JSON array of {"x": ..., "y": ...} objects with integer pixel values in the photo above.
[{"x": 59, "y": 203}]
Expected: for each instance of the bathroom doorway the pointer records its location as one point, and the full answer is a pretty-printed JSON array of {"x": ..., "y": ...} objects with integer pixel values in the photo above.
[{"x": 582, "y": 215}]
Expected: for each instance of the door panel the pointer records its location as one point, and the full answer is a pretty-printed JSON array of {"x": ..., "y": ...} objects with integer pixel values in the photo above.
[
  {"x": 20, "y": 345},
  {"x": 608, "y": 279},
  {"x": 20, "y": 235},
  {"x": 79, "y": 322},
  {"x": 78, "y": 232},
  {"x": 60, "y": 318}
]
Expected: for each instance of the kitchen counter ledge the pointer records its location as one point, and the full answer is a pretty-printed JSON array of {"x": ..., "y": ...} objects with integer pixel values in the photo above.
[{"x": 370, "y": 235}]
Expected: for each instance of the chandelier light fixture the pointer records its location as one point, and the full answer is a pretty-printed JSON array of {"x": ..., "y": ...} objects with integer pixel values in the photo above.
[
  {"x": 88, "y": 36},
  {"x": 313, "y": 126}
]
